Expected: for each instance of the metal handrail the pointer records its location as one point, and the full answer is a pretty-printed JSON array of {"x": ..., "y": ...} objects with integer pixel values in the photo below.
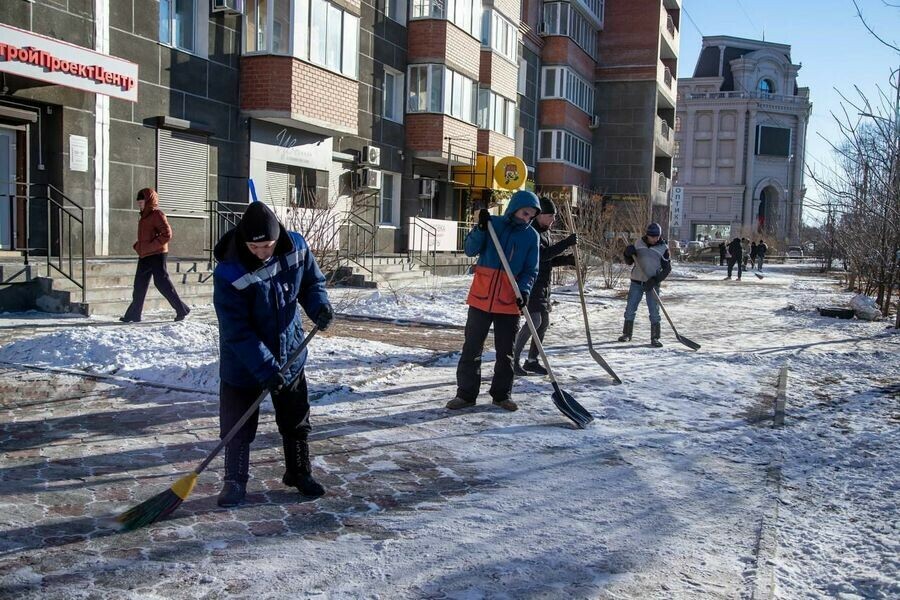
[
  {"x": 667, "y": 77},
  {"x": 360, "y": 242},
  {"x": 425, "y": 254},
  {"x": 670, "y": 25},
  {"x": 220, "y": 214},
  {"x": 65, "y": 230}
]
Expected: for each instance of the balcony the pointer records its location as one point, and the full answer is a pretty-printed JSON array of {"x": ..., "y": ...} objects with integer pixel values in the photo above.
[
  {"x": 495, "y": 144},
  {"x": 660, "y": 192},
  {"x": 593, "y": 10},
  {"x": 669, "y": 35},
  {"x": 426, "y": 135},
  {"x": 665, "y": 142},
  {"x": 667, "y": 85},
  {"x": 800, "y": 100}
]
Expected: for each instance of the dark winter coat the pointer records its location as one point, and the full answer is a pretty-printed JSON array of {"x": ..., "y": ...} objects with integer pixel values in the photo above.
[
  {"x": 722, "y": 250},
  {"x": 761, "y": 249},
  {"x": 735, "y": 249},
  {"x": 549, "y": 258},
  {"x": 259, "y": 319},
  {"x": 491, "y": 290},
  {"x": 654, "y": 260},
  {"x": 154, "y": 232},
  {"x": 753, "y": 249}
]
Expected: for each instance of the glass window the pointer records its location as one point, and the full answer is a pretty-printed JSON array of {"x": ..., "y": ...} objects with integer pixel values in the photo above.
[
  {"x": 557, "y": 145},
  {"x": 766, "y": 86},
  {"x": 350, "y": 56},
  {"x": 484, "y": 108},
  {"x": 318, "y": 41},
  {"x": 333, "y": 38},
  {"x": 396, "y": 10},
  {"x": 436, "y": 82},
  {"x": 389, "y": 189},
  {"x": 281, "y": 27},
  {"x": 177, "y": 19},
  {"x": 165, "y": 21},
  {"x": 418, "y": 89},
  {"x": 389, "y": 95}
]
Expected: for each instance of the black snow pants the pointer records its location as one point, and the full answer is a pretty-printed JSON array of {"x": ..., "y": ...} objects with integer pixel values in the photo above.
[
  {"x": 739, "y": 260},
  {"x": 291, "y": 410},
  {"x": 468, "y": 372},
  {"x": 153, "y": 266}
]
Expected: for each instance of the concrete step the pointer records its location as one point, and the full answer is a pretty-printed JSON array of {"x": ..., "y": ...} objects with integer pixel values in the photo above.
[
  {"x": 416, "y": 275},
  {"x": 127, "y": 267},
  {"x": 125, "y": 292},
  {"x": 95, "y": 282},
  {"x": 153, "y": 302},
  {"x": 18, "y": 272}
]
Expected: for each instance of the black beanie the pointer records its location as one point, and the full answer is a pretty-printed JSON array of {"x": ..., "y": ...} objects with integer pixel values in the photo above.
[
  {"x": 259, "y": 224},
  {"x": 547, "y": 206}
]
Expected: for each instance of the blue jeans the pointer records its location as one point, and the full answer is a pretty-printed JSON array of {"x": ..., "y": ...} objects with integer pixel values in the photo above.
[{"x": 634, "y": 298}]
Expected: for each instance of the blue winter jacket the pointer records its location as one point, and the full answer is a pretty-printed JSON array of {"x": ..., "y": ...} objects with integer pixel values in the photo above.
[
  {"x": 259, "y": 319},
  {"x": 491, "y": 291}
]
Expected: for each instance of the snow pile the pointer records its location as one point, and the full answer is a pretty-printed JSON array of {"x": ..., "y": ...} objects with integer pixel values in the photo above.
[{"x": 865, "y": 308}]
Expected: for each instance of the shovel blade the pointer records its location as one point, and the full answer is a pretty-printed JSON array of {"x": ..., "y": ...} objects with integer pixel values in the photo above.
[
  {"x": 600, "y": 361},
  {"x": 758, "y": 276},
  {"x": 568, "y": 406},
  {"x": 689, "y": 343}
]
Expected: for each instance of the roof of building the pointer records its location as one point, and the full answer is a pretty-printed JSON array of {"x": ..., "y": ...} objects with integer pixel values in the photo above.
[{"x": 708, "y": 62}]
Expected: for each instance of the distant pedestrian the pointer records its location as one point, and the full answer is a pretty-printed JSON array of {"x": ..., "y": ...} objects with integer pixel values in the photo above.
[
  {"x": 152, "y": 247},
  {"x": 722, "y": 252},
  {"x": 539, "y": 300},
  {"x": 761, "y": 249},
  {"x": 735, "y": 257},
  {"x": 652, "y": 264},
  {"x": 753, "y": 250},
  {"x": 745, "y": 249},
  {"x": 492, "y": 299}
]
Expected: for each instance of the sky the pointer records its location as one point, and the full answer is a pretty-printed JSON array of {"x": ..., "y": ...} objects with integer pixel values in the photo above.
[{"x": 828, "y": 39}]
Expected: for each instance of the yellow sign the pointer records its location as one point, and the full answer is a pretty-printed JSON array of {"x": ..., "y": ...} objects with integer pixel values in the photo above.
[
  {"x": 510, "y": 173},
  {"x": 478, "y": 175}
]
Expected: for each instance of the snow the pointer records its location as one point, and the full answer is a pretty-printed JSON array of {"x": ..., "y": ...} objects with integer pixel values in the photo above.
[{"x": 663, "y": 496}]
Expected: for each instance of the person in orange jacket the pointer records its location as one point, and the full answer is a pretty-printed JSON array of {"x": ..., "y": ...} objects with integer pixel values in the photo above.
[{"x": 152, "y": 247}]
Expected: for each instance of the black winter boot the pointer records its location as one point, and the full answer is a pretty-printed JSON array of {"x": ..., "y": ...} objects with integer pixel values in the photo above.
[
  {"x": 534, "y": 367},
  {"x": 237, "y": 469},
  {"x": 654, "y": 335},
  {"x": 298, "y": 471},
  {"x": 627, "y": 330},
  {"x": 517, "y": 367}
]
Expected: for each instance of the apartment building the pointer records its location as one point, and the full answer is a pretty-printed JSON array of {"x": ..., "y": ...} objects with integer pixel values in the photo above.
[{"x": 741, "y": 135}]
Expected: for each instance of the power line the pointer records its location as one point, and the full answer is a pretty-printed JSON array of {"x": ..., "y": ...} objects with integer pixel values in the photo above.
[
  {"x": 749, "y": 18},
  {"x": 691, "y": 19}
]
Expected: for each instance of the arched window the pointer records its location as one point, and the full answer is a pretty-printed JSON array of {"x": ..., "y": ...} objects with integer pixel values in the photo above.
[{"x": 766, "y": 86}]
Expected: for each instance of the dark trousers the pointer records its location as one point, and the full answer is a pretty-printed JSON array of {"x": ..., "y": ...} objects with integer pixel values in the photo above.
[
  {"x": 541, "y": 319},
  {"x": 739, "y": 261},
  {"x": 291, "y": 410},
  {"x": 468, "y": 372},
  {"x": 152, "y": 266},
  {"x": 721, "y": 260}
]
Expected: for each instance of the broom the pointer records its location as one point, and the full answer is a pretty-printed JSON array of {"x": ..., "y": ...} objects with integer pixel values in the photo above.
[{"x": 163, "y": 504}]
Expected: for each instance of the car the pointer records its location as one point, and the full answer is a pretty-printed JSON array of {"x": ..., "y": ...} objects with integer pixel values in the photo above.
[
  {"x": 794, "y": 252},
  {"x": 695, "y": 246}
]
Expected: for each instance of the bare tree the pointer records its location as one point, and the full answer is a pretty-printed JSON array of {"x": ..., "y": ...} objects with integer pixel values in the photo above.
[{"x": 603, "y": 229}]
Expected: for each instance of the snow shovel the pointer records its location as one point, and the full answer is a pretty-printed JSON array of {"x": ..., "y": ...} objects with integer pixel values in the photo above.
[
  {"x": 570, "y": 224},
  {"x": 562, "y": 399}
]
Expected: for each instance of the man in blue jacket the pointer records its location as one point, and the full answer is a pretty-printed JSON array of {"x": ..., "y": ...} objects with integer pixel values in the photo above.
[
  {"x": 492, "y": 299},
  {"x": 263, "y": 273}
]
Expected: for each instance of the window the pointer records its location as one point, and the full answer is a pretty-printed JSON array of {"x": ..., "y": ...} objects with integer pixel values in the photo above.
[
  {"x": 395, "y": 10},
  {"x": 773, "y": 141},
  {"x": 268, "y": 26},
  {"x": 437, "y": 89},
  {"x": 499, "y": 34},
  {"x": 496, "y": 113},
  {"x": 560, "y": 18},
  {"x": 389, "y": 213},
  {"x": 333, "y": 37},
  {"x": 392, "y": 98},
  {"x": 465, "y": 14},
  {"x": 563, "y": 82},
  {"x": 291, "y": 186},
  {"x": 561, "y": 146},
  {"x": 177, "y": 23},
  {"x": 766, "y": 86}
]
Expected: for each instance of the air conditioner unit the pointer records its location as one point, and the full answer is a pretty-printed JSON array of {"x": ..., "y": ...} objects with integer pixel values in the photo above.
[
  {"x": 542, "y": 29},
  {"x": 234, "y": 7},
  {"x": 371, "y": 179},
  {"x": 371, "y": 155},
  {"x": 595, "y": 122},
  {"x": 426, "y": 188}
]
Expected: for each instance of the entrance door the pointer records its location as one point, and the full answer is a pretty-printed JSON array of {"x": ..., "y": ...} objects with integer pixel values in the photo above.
[{"x": 7, "y": 186}]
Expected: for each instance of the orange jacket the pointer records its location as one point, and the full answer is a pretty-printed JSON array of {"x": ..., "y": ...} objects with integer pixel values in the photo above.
[{"x": 154, "y": 231}]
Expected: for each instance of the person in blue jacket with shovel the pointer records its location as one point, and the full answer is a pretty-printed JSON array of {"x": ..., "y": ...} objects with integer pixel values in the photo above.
[
  {"x": 264, "y": 275},
  {"x": 492, "y": 299}
]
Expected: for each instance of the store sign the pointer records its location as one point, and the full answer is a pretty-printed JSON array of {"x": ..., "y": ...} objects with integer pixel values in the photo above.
[
  {"x": 560, "y": 194},
  {"x": 510, "y": 173},
  {"x": 677, "y": 211},
  {"x": 46, "y": 59},
  {"x": 443, "y": 240}
]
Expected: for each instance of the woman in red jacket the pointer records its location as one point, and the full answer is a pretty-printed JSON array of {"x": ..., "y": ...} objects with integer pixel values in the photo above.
[{"x": 152, "y": 247}]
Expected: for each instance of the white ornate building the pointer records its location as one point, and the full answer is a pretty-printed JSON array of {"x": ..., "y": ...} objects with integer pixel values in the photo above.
[{"x": 740, "y": 133}]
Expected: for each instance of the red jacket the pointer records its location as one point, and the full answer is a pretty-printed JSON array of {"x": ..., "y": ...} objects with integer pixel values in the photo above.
[{"x": 154, "y": 231}]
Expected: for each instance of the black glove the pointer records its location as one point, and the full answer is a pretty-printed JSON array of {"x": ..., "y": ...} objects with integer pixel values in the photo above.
[
  {"x": 630, "y": 251},
  {"x": 275, "y": 383},
  {"x": 570, "y": 241},
  {"x": 484, "y": 217},
  {"x": 650, "y": 284},
  {"x": 523, "y": 301},
  {"x": 324, "y": 317}
]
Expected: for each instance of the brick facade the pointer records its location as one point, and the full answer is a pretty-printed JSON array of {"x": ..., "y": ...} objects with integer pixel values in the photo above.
[
  {"x": 305, "y": 91},
  {"x": 495, "y": 144},
  {"x": 511, "y": 9},
  {"x": 560, "y": 50},
  {"x": 559, "y": 114},
  {"x": 549, "y": 173},
  {"x": 499, "y": 74},
  {"x": 426, "y": 132},
  {"x": 439, "y": 41}
]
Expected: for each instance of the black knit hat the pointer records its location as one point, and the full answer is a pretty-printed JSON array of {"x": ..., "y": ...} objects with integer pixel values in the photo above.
[
  {"x": 547, "y": 206},
  {"x": 259, "y": 224}
]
